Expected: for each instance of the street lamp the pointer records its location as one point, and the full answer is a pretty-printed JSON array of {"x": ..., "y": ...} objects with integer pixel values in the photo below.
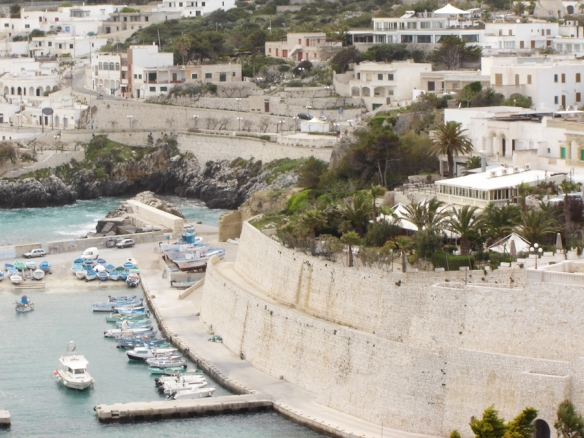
[
  {"x": 295, "y": 123},
  {"x": 196, "y": 119},
  {"x": 280, "y": 123},
  {"x": 130, "y": 119},
  {"x": 537, "y": 251},
  {"x": 56, "y": 137},
  {"x": 239, "y": 119},
  {"x": 327, "y": 87}
]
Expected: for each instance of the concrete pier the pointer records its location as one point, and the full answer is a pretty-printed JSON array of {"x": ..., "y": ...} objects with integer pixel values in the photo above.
[
  {"x": 157, "y": 410},
  {"x": 5, "y": 419}
]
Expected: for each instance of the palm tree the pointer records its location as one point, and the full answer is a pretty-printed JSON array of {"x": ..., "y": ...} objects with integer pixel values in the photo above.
[
  {"x": 498, "y": 222},
  {"x": 351, "y": 239},
  {"x": 473, "y": 163},
  {"x": 448, "y": 139},
  {"x": 357, "y": 210},
  {"x": 535, "y": 224},
  {"x": 404, "y": 244},
  {"x": 523, "y": 190},
  {"x": 183, "y": 45},
  {"x": 312, "y": 219},
  {"x": 375, "y": 192},
  {"x": 465, "y": 222},
  {"x": 426, "y": 215}
]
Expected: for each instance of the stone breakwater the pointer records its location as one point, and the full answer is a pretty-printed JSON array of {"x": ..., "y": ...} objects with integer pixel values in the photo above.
[
  {"x": 394, "y": 348},
  {"x": 220, "y": 184}
]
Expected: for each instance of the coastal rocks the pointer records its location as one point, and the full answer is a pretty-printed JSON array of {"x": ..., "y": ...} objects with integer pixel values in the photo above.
[
  {"x": 31, "y": 192},
  {"x": 150, "y": 199}
]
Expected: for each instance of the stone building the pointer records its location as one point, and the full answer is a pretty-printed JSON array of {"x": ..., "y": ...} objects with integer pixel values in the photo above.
[{"x": 297, "y": 47}]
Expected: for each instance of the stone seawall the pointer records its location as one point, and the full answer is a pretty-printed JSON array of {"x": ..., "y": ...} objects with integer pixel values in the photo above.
[{"x": 397, "y": 348}]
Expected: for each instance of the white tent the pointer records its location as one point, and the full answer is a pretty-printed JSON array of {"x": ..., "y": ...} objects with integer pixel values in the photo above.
[
  {"x": 503, "y": 246},
  {"x": 449, "y": 10}
]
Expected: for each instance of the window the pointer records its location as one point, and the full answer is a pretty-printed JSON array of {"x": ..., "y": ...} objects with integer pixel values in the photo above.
[
  {"x": 163, "y": 89},
  {"x": 556, "y": 100},
  {"x": 203, "y": 4},
  {"x": 139, "y": 76},
  {"x": 233, "y": 74},
  {"x": 431, "y": 86},
  {"x": 577, "y": 77},
  {"x": 6, "y": 25},
  {"x": 563, "y": 78},
  {"x": 105, "y": 66},
  {"x": 100, "y": 66},
  {"x": 112, "y": 66},
  {"x": 498, "y": 79},
  {"x": 270, "y": 50},
  {"x": 208, "y": 75},
  {"x": 528, "y": 79},
  {"x": 117, "y": 66},
  {"x": 358, "y": 75},
  {"x": 582, "y": 154},
  {"x": 70, "y": 46},
  {"x": 27, "y": 26},
  {"x": 563, "y": 153},
  {"x": 194, "y": 76},
  {"x": 222, "y": 77},
  {"x": 379, "y": 76},
  {"x": 578, "y": 97},
  {"x": 390, "y": 77},
  {"x": 556, "y": 79},
  {"x": 516, "y": 79},
  {"x": 135, "y": 76},
  {"x": 145, "y": 18},
  {"x": 152, "y": 88}
]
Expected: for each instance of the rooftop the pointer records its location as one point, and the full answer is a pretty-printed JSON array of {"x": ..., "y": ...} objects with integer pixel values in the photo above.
[{"x": 497, "y": 178}]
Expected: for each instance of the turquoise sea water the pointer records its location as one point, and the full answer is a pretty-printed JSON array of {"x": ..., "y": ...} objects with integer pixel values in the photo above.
[
  {"x": 41, "y": 407},
  {"x": 31, "y": 225}
]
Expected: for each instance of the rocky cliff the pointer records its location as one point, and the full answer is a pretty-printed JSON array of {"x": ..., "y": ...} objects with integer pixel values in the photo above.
[{"x": 112, "y": 169}]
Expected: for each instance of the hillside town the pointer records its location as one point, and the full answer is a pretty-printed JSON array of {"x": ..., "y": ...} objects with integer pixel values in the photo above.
[{"x": 407, "y": 174}]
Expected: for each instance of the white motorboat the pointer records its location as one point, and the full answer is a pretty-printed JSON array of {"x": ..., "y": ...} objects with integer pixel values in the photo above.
[
  {"x": 38, "y": 274},
  {"x": 72, "y": 370},
  {"x": 112, "y": 306},
  {"x": 170, "y": 387},
  {"x": 191, "y": 393},
  {"x": 31, "y": 265},
  {"x": 174, "y": 251},
  {"x": 167, "y": 362},
  {"x": 16, "y": 278},
  {"x": 80, "y": 274},
  {"x": 114, "y": 333},
  {"x": 143, "y": 353},
  {"x": 186, "y": 377},
  {"x": 197, "y": 259}
]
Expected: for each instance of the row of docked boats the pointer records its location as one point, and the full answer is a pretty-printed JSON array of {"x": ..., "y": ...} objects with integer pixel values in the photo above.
[
  {"x": 89, "y": 269},
  {"x": 17, "y": 271},
  {"x": 188, "y": 253},
  {"x": 135, "y": 332}
]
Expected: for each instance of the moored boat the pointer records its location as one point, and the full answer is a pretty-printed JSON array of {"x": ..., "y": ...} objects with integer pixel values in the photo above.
[
  {"x": 143, "y": 353},
  {"x": 119, "y": 307},
  {"x": 117, "y": 317},
  {"x": 114, "y": 276},
  {"x": 122, "y": 298},
  {"x": 90, "y": 275},
  {"x": 103, "y": 275},
  {"x": 119, "y": 332},
  {"x": 38, "y": 274},
  {"x": 30, "y": 264},
  {"x": 72, "y": 371},
  {"x": 191, "y": 393},
  {"x": 19, "y": 265},
  {"x": 24, "y": 305},
  {"x": 101, "y": 261},
  {"x": 167, "y": 362},
  {"x": 173, "y": 370},
  {"x": 179, "y": 385},
  {"x": 133, "y": 280},
  {"x": 45, "y": 266},
  {"x": 15, "y": 278},
  {"x": 80, "y": 274},
  {"x": 128, "y": 265},
  {"x": 110, "y": 268},
  {"x": 78, "y": 261}
]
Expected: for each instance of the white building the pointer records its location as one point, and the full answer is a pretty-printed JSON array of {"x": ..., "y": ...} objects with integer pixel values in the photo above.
[
  {"x": 381, "y": 84},
  {"x": 27, "y": 78},
  {"x": 105, "y": 77},
  {"x": 305, "y": 46},
  {"x": 194, "y": 8},
  {"x": 65, "y": 45}
]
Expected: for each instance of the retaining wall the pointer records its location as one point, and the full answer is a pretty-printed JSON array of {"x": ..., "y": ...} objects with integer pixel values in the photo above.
[
  {"x": 153, "y": 215},
  {"x": 398, "y": 348}
]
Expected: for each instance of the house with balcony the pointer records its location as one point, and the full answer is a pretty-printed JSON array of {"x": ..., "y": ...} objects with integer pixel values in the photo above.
[
  {"x": 306, "y": 46},
  {"x": 214, "y": 73},
  {"x": 194, "y": 8},
  {"x": 134, "y": 19},
  {"x": 380, "y": 84},
  {"x": 105, "y": 74},
  {"x": 65, "y": 45}
]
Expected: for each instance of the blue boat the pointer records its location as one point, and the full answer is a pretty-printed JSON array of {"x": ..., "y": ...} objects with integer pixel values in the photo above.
[
  {"x": 128, "y": 265},
  {"x": 122, "y": 298},
  {"x": 12, "y": 271},
  {"x": 124, "y": 275},
  {"x": 89, "y": 262},
  {"x": 76, "y": 268},
  {"x": 1, "y": 275},
  {"x": 101, "y": 261},
  {"x": 87, "y": 268},
  {"x": 110, "y": 268},
  {"x": 133, "y": 311},
  {"x": 103, "y": 276},
  {"x": 45, "y": 266},
  {"x": 8, "y": 266},
  {"x": 114, "y": 276},
  {"x": 90, "y": 275},
  {"x": 78, "y": 261},
  {"x": 133, "y": 280}
]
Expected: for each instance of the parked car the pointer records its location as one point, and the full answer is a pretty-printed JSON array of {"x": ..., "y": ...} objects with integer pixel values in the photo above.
[
  {"x": 323, "y": 118},
  {"x": 125, "y": 243},
  {"x": 35, "y": 253},
  {"x": 304, "y": 116}
]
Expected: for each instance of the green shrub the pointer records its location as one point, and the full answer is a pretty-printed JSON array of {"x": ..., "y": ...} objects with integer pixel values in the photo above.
[
  {"x": 454, "y": 262},
  {"x": 495, "y": 259},
  {"x": 299, "y": 202}
]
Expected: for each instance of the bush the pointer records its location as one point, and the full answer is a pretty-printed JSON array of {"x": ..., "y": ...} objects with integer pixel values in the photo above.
[
  {"x": 454, "y": 262},
  {"x": 379, "y": 233},
  {"x": 495, "y": 259},
  {"x": 299, "y": 202}
]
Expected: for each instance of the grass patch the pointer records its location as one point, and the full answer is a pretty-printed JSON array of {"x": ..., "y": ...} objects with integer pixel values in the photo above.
[
  {"x": 278, "y": 167},
  {"x": 268, "y": 219}
]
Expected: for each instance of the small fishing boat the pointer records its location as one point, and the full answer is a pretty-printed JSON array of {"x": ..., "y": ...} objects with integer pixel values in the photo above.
[
  {"x": 143, "y": 353},
  {"x": 80, "y": 274},
  {"x": 99, "y": 268},
  {"x": 124, "y": 275},
  {"x": 13, "y": 271},
  {"x": 103, "y": 275},
  {"x": 72, "y": 371},
  {"x": 90, "y": 275},
  {"x": 19, "y": 265},
  {"x": 134, "y": 270},
  {"x": 78, "y": 261},
  {"x": 114, "y": 276},
  {"x": 110, "y": 268},
  {"x": 31, "y": 265},
  {"x": 128, "y": 265},
  {"x": 45, "y": 266},
  {"x": 137, "y": 323},
  {"x": 173, "y": 370},
  {"x": 133, "y": 280},
  {"x": 167, "y": 362},
  {"x": 8, "y": 266},
  {"x": 1, "y": 275},
  {"x": 132, "y": 311},
  {"x": 191, "y": 393},
  {"x": 188, "y": 376},
  {"x": 180, "y": 385},
  {"x": 119, "y": 332},
  {"x": 120, "y": 269},
  {"x": 38, "y": 274},
  {"x": 101, "y": 261},
  {"x": 24, "y": 305},
  {"x": 15, "y": 278},
  {"x": 113, "y": 307},
  {"x": 76, "y": 268},
  {"x": 149, "y": 342},
  {"x": 121, "y": 298},
  {"x": 89, "y": 262},
  {"x": 198, "y": 259},
  {"x": 117, "y": 317}
]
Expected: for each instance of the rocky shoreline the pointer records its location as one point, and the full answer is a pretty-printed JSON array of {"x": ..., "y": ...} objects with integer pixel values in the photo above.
[{"x": 165, "y": 171}]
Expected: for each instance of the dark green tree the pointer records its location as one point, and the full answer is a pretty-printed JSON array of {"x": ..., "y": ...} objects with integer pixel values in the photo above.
[
  {"x": 468, "y": 93},
  {"x": 522, "y": 426},
  {"x": 453, "y": 51},
  {"x": 465, "y": 222},
  {"x": 449, "y": 139},
  {"x": 310, "y": 171},
  {"x": 15, "y": 11},
  {"x": 340, "y": 62},
  {"x": 490, "y": 426},
  {"x": 570, "y": 423}
]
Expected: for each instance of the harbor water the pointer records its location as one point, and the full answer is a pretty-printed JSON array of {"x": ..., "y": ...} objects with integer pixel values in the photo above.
[
  {"x": 33, "y": 342},
  {"x": 32, "y": 225}
]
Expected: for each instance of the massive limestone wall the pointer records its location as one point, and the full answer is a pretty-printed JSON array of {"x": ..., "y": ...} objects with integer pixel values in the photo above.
[{"x": 420, "y": 352}]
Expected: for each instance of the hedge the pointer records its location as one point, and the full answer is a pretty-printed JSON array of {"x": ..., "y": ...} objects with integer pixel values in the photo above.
[{"x": 454, "y": 261}]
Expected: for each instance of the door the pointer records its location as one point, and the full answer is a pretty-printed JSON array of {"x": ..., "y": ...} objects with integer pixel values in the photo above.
[
  {"x": 266, "y": 106},
  {"x": 503, "y": 146},
  {"x": 174, "y": 77},
  {"x": 299, "y": 56},
  {"x": 563, "y": 102},
  {"x": 138, "y": 93},
  {"x": 563, "y": 153}
]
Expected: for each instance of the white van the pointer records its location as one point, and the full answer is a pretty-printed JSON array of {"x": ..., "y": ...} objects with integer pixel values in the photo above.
[{"x": 90, "y": 253}]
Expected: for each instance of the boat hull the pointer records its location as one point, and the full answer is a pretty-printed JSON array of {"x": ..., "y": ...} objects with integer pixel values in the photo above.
[
  {"x": 192, "y": 393},
  {"x": 74, "y": 384}
]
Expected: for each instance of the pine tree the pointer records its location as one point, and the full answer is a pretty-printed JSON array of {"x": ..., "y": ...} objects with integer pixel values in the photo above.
[
  {"x": 570, "y": 423},
  {"x": 522, "y": 426},
  {"x": 491, "y": 426}
]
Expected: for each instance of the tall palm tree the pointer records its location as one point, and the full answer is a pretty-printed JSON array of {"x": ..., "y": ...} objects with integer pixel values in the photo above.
[
  {"x": 449, "y": 140},
  {"x": 312, "y": 219},
  {"x": 357, "y": 210},
  {"x": 426, "y": 215},
  {"x": 465, "y": 222},
  {"x": 375, "y": 192},
  {"x": 183, "y": 45},
  {"x": 351, "y": 239},
  {"x": 498, "y": 222},
  {"x": 535, "y": 224}
]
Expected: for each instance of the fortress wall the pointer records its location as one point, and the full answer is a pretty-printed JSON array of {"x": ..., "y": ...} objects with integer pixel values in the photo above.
[{"x": 348, "y": 370}]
